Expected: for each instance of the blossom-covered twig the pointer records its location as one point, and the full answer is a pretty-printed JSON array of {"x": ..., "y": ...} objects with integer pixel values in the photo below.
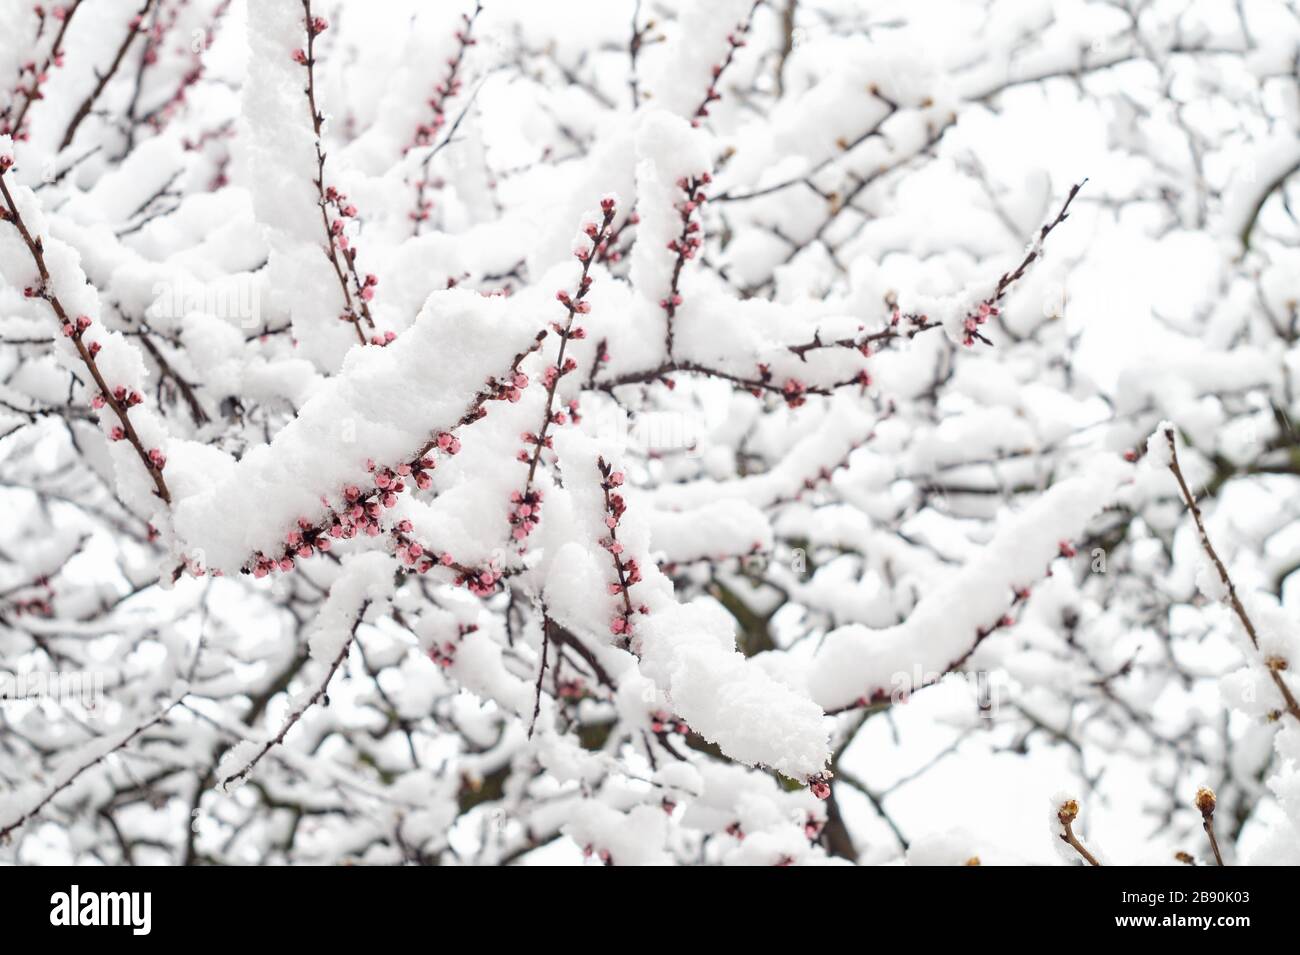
[
  {"x": 425, "y": 132},
  {"x": 339, "y": 251},
  {"x": 684, "y": 246},
  {"x": 735, "y": 40},
  {"x": 159, "y": 116},
  {"x": 37, "y": 74},
  {"x": 625, "y": 569},
  {"x": 117, "y": 398},
  {"x": 359, "y": 510},
  {"x": 526, "y": 504}
]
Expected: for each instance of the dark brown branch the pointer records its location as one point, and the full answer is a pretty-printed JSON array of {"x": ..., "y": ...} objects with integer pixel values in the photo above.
[
  {"x": 135, "y": 26},
  {"x": 36, "y": 247},
  {"x": 49, "y": 797},
  {"x": 1273, "y": 665},
  {"x": 298, "y": 713},
  {"x": 16, "y": 127}
]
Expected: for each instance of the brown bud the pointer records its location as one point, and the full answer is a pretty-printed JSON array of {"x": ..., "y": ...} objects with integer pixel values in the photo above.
[
  {"x": 1205, "y": 801},
  {"x": 973, "y": 860},
  {"x": 1068, "y": 812}
]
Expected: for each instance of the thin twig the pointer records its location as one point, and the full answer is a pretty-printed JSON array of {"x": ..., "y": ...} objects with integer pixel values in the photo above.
[
  {"x": 49, "y": 797},
  {"x": 1066, "y": 814},
  {"x": 135, "y": 26},
  {"x": 1205, "y": 802},
  {"x": 298, "y": 713},
  {"x": 1274, "y": 666}
]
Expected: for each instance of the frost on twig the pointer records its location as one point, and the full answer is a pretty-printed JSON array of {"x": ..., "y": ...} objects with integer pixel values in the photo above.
[{"x": 365, "y": 581}]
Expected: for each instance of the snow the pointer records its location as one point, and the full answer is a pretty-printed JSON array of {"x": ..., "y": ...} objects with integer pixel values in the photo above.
[
  {"x": 856, "y": 662},
  {"x": 690, "y": 651},
  {"x": 365, "y": 583},
  {"x": 361, "y": 414},
  {"x": 769, "y": 509}
]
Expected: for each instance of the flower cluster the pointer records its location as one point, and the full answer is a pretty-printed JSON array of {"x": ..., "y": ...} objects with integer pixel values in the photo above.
[
  {"x": 444, "y": 655},
  {"x": 480, "y": 581},
  {"x": 360, "y": 510},
  {"x": 39, "y": 605},
  {"x": 603, "y": 855},
  {"x": 525, "y": 509},
  {"x": 575, "y": 689},
  {"x": 685, "y": 245},
  {"x": 974, "y": 320},
  {"x": 820, "y": 785},
  {"x": 315, "y": 27},
  {"x": 627, "y": 570},
  {"x": 358, "y": 291},
  {"x": 664, "y": 724},
  {"x": 812, "y": 827}
]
